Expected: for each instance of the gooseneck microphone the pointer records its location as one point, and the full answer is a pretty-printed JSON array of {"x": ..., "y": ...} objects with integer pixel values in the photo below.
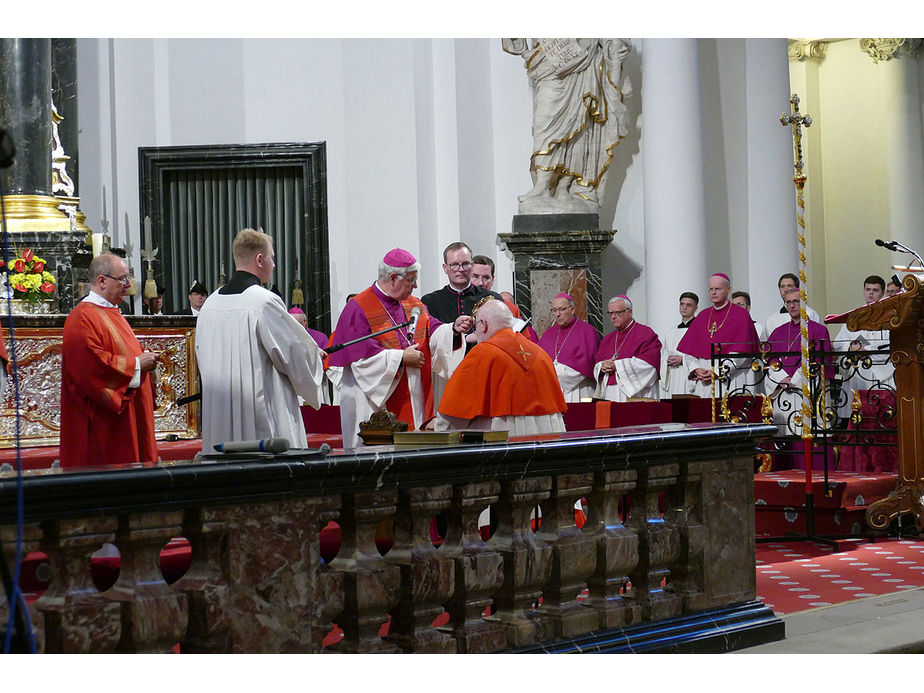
[
  {"x": 272, "y": 445},
  {"x": 900, "y": 248}
]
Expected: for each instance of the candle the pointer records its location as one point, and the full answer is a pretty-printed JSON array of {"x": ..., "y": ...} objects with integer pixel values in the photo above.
[
  {"x": 97, "y": 244},
  {"x": 148, "y": 243}
]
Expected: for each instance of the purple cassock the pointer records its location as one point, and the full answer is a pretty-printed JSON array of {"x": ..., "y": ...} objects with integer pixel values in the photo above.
[
  {"x": 319, "y": 337},
  {"x": 353, "y": 324},
  {"x": 730, "y": 326},
  {"x": 788, "y": 337},
  {"x": 573, "y": 345},
  {"x": 637, "y": 340}
]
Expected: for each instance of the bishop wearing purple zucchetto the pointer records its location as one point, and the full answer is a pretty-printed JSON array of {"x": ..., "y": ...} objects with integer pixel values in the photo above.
[
  {"x": 723, "y": 323},
  {"x": 391, "y": 368},
  {"x": 571, "y": 343}
]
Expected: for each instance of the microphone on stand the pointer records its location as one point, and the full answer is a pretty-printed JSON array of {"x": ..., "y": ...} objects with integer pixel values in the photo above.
[
  {"x": 412, "y": 323},
  {"x": 273, "y": 445},
  {"x": 900, "y": 247}
]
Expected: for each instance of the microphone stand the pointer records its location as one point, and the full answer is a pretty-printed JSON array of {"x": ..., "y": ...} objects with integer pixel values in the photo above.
[
  {"x": 183, "y": 401},
  {"x": 908, "y": 250}
]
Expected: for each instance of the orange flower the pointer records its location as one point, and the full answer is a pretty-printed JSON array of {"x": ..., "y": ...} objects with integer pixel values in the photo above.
[
  {"x": 27, "y": 255},
  {"x": 38, "y": 267},
  {"x": 20, "y": 266},
  {"x": 20, "y": 288},
  {"x": 2, "y": 263},
  {"x": 47, "y": 288}
]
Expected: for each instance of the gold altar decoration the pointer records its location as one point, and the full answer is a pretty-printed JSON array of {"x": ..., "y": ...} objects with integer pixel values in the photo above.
[{"x": 39, "y": 370}]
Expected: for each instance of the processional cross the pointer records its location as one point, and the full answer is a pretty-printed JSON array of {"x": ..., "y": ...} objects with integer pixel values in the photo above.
[{"x": 796, "y": 120}]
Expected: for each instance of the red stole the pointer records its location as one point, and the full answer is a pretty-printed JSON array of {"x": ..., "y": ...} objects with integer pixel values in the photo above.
[{"x": 400, "y": 401}]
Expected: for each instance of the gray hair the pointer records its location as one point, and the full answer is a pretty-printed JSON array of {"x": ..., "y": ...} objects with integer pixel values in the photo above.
[
  {"x": 385, "y": 271},
  {"x": 621, "y": 298}
]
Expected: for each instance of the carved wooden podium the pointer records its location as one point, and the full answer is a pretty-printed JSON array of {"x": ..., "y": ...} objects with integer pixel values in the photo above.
[{"x": 903, "y": 316}]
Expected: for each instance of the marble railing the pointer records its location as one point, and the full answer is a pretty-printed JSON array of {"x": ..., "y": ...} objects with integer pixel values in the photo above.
[{"x": 669, "y": 532}]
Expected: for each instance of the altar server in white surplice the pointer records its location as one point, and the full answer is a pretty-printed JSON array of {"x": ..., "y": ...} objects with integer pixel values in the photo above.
[
  {"x": 254, "y": 358},
  {"x": 881, "y": 373},
  {"x": 673, "y": 377}
]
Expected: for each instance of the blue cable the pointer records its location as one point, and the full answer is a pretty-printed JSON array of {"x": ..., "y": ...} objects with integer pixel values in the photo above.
[{"x": 16, "y": 598}]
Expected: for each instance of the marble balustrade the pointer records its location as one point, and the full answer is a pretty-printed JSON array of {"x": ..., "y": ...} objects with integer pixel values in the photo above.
[{"x": 669, "y": 531}]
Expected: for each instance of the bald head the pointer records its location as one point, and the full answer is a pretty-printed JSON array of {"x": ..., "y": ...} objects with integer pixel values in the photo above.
[{"x": 491, "y": 317}]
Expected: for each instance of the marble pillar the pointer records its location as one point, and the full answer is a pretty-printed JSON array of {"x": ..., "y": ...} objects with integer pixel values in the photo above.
[
  {"x": 25, "y": 111},
  {"x": 676, "y": 239},
  {"x": 31, "y": 211},
  {"x": 772, "y": 244},
  {"x": 558, "y": 253},
  {"x": 64, "y": 96}
]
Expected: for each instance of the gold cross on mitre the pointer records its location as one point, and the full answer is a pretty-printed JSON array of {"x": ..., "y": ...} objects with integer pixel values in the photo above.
[{"x": 525, "y": 354}]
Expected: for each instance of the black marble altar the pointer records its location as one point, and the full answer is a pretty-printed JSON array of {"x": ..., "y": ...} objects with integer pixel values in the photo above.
[{"x": 258, "y": 581}]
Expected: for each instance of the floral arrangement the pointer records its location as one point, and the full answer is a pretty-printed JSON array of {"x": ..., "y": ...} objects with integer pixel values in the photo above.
[{"x": 28, "y": 278}]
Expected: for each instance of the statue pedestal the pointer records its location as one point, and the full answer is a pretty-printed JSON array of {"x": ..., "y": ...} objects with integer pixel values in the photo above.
[{"x": 558, "y": 253}]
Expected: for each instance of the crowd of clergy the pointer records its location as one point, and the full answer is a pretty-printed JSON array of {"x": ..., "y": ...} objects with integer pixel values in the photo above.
[{"x": 459, "y": 357}]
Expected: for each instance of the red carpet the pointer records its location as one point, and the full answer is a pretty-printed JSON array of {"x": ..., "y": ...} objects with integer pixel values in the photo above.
[{"x": 799, "y": 576}]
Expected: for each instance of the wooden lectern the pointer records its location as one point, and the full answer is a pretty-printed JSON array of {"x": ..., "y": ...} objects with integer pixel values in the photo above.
[{"x": 903, "y": 316}]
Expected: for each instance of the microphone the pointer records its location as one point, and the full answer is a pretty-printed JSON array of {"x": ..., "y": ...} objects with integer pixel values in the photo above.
[
  {"x": 890, "y": 245},
  {"x": 273, "y": 445},
  {"x": 412, "y": 323}
]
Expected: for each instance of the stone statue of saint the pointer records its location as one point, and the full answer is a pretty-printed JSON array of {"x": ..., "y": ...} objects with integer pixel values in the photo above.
[{"x": 578, "y": 119}]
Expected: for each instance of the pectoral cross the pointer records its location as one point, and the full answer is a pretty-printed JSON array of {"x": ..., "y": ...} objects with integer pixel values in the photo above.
[
  {"x": 712, "y": 330},
  {"x": 524, "y": 354}
]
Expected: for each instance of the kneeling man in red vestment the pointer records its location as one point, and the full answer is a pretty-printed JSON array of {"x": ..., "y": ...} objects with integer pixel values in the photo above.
[
  {"x": 107, "y": 395},
  {"x": 505, "y": 383}
]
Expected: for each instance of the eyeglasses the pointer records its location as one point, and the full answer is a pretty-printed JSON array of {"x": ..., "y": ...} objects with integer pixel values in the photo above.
[
  {"x": 616, "y": 312},
  {"x": 456, "y": 266},
  {"x": 124, "y": 280},
  {"x": 561, "y": 310}
]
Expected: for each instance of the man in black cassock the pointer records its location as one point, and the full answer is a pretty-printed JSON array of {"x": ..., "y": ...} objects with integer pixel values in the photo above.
[{"x": 459, "y": 296}]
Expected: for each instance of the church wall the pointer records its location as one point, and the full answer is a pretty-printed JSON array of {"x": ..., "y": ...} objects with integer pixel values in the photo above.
[
  {"x": 428, "y": 141},
  {"x": 850, "y": 104}
]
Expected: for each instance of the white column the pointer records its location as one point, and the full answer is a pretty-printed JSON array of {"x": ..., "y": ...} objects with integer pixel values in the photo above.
[
  {"x": 771, "y": 203},
  {"x": 904, "y": 164},
  {"x": 671, "y": 144}
]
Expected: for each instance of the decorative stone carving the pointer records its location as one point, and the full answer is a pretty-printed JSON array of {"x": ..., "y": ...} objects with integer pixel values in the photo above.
[
  {"x": 884, "y": 49},
  {"x": 801, "y": 50},
  {"x": 578, "y": 118}
]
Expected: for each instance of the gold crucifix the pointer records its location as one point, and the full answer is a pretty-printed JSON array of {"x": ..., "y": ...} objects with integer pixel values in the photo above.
[
  {"x": 712, "y": 330},
  {"x": 796, "y": 120}
]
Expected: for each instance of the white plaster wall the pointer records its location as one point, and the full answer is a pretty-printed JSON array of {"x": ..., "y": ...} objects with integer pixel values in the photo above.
[{"x": 428, "y": 141}]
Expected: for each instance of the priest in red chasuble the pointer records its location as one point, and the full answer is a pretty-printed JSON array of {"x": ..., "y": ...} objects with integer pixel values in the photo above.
[
  {"x": 107, "y": 395},
  {"x": 629, "y": 358},
  {"x": 722, "y": 323},
  {"x": 505, "y": 383}
]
